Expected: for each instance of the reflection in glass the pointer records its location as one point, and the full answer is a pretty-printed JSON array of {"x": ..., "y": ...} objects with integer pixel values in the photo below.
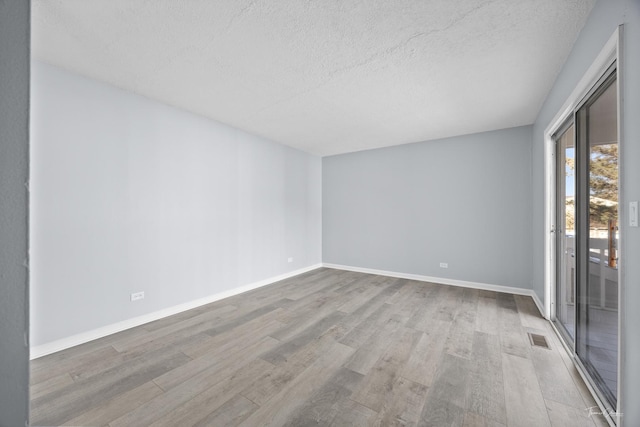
[
  {"x": 565, "y": 233},
  {"x": 597, "y": 342}
]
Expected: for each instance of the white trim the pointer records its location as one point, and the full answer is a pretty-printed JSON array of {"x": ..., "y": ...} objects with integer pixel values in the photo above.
[
  {"x": 603, "y": 61},
  {"x": 623, "y": 224},
  {"x": 81, "y": 338},
  {"x": 607, "y": 56},
  {"x": 539, "y": 304},
  {"x": 440, "y": 280},
  {"x": 549, "y": 221}
]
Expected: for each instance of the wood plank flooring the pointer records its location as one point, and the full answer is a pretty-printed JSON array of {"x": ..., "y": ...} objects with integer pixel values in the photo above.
[{"x": 326, "y": 348}]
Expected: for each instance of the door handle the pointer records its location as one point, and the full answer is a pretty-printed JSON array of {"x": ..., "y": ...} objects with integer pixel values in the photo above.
[{"x": 611, "y": 244}]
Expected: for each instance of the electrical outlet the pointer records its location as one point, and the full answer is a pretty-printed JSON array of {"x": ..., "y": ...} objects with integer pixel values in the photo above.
[
  {"x": 289, "y": 259},
  {"x": 444, "y": 265},
  {"x": 137, "y": 296}
]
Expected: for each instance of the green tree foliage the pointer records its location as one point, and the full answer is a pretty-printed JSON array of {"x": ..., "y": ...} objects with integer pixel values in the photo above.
[
  {"x": 570, "y": 214},
  {"x": 603, "y": 183}
]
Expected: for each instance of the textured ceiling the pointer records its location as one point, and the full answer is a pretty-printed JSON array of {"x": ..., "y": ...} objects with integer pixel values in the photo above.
[{"x": 329, "y": 76}]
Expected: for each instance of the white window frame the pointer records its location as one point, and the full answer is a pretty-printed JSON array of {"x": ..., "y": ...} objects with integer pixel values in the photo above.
[{"x": 609, "y": 54}]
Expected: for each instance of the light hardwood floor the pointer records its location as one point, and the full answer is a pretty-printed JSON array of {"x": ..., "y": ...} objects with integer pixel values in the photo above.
[{"x": 328, "y": 347}]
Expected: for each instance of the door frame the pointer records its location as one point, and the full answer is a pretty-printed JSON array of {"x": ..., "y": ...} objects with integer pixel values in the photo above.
[
  {"x": 569, "y": 122},
  {"x": 609, "y": 54}
]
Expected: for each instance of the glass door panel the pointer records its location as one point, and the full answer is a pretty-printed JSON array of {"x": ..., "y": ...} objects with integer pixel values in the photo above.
[
  {"x": 597, "y": 254},
  {"x": 565, "y": 310}
]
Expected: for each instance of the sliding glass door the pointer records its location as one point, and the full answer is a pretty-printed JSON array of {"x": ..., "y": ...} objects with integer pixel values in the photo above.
[
  {"x": 586, "y": 235},
  {"x": 597, "y": 236}
]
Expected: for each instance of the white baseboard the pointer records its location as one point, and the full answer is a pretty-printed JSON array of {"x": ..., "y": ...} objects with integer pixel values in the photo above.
[
  {"x": 84, "y": 337},
  {"x": 68, "y": 342},
  {"x": 441, "y": 281},
  {"x": 539, "y": 304}
]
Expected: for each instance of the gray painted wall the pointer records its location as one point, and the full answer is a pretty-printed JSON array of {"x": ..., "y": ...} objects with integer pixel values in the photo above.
[
  {"x": 605, "y": 17},
  {"x": 132, "y": 195},
  {"x": 465, "y": 201},
  {"x": 14, "y": 173}
]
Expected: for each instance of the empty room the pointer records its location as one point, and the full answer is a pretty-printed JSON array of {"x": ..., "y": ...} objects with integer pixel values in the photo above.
[{"x": 302, "y": 213}]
